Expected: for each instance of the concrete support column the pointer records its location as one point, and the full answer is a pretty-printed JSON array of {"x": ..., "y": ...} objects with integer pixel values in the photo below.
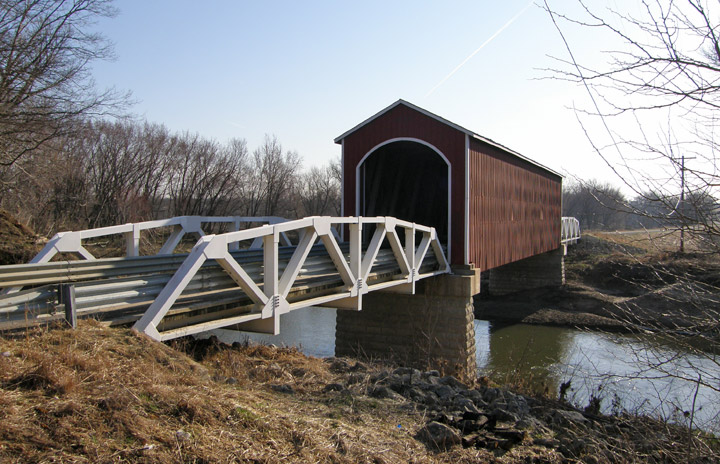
[
  {"x": 544, "y": 270},
  {"x": 433, "y": 329}
]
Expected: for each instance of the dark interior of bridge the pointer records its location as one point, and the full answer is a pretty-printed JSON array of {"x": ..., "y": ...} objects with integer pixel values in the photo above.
[{"x": 406, "y": 180}]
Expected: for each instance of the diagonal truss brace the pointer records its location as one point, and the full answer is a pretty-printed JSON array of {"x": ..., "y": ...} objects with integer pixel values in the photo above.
[{"x": 270, "y": 301}]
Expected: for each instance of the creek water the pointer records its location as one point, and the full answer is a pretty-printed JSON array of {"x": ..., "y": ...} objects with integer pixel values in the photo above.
[{"x": 635, "y": 373}]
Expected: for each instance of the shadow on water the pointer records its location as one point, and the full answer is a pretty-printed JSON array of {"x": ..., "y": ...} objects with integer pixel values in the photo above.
[{"x": 312, "y": 330}]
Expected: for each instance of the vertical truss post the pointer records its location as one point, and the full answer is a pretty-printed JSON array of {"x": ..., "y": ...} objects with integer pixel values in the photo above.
[
  {"x": 356, "y": 258},
  {"x": 270, "y": 274},
  {"x": 410, "y": 254},
  {"x": 235, "y": 246},
  {"x": 132, "y": 241}
]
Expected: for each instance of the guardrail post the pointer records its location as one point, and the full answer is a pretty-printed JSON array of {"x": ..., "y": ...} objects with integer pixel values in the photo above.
[{"x": 66, "y": 297}]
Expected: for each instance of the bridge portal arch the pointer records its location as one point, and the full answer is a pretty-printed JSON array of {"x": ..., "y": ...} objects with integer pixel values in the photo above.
[{"x": 409, "y": 179}]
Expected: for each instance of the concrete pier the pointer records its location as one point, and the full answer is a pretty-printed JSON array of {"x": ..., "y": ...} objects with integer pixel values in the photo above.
[{"x": 433, "y": 329}]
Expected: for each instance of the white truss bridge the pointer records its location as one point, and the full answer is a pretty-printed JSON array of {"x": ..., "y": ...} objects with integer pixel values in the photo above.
[{"x": 244, "y": 279}]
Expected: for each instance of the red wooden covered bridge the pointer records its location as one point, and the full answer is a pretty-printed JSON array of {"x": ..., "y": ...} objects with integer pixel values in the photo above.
[
  {"x": 493, "y": 209},
  {"x": 489, "y": 204}
]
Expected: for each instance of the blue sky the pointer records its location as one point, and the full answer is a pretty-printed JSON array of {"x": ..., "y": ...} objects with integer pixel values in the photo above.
[{"x": 307, "y": 71}]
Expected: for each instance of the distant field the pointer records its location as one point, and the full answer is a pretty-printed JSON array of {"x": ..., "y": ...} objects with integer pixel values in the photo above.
[{"x": 654, "y": 240}]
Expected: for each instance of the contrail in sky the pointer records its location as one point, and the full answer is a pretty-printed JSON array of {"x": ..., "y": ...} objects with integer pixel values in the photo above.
[{"x": 480, "y": 48}]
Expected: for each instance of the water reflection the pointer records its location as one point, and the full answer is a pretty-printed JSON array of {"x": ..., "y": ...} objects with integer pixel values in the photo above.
[
  {"x": 635, "y": 373},
  {"x": 525, "y": 354}
]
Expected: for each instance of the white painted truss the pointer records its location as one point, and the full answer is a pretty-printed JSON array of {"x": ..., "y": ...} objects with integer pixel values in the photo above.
[
  {"x": 570, "y": 231},
  {"x": 270, "y": 299}
]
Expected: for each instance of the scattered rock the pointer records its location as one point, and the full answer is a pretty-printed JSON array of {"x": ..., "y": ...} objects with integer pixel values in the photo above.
[
  {"x": 465, "y": 404},
  {"x": 472, "y": 416},
  {"x": 470, "y": 426},
  {"x": 353, "y": 379},
  {"x": 359, "y": 367},
  {"x": 182, "y": 435},
  {"x": 515, "y": 436},
  {"x": 563, "y": 418},
  {"x": 339, "y": 365},
  {"x": 333, "y": 387},
  {"x": 6, "y": 354},
  {"x": 443, "y": 391},
  {"x": 400, "y": 371},
  {"x": 380, "y": 391},
  {"x": 453, "y": 382},
  {"x": 546, "y": 442},
  {"x": 439, "y": 435},
  {"x": 283, "y": 388}
]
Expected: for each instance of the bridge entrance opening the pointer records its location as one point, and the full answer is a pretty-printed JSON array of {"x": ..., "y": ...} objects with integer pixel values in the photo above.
[{"x": 407, "y": 180}]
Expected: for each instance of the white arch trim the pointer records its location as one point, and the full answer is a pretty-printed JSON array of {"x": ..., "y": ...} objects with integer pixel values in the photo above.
[{"x": 422, "y": 142}]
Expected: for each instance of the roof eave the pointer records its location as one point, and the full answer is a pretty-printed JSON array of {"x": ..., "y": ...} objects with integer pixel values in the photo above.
[{"x": 442, "y": 120}]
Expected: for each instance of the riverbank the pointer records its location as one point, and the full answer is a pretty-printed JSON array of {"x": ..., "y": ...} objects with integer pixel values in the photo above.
[
  {"x": 619, "y": 287},
  {"x": 110, "y": 395}
]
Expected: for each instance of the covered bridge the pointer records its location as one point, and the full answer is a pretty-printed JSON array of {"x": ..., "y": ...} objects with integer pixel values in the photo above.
[{"x": 489, "y": 204}]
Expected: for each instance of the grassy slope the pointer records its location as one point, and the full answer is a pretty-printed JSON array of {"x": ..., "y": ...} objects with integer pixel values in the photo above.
[{"x": 110, "y": 395}]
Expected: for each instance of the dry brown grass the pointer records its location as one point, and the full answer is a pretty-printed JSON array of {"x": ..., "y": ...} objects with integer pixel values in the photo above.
[
  {"x": 109, "y": 395},
  {"x": 653, "y": 241}
]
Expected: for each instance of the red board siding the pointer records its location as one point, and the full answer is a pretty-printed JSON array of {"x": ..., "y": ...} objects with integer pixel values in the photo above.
[
  {"x": 404, "y": 122},
  {"x": 514, "y": 207}
]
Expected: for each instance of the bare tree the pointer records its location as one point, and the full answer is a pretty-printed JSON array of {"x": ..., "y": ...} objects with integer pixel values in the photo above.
[
  {"x": 204, "y": 177},
  {"x": 654, "y": 104},
  {"x": 595, "y": 205},
  {"x": 46, "y": 51},
  {"x": 319, "y": 191},
  {"x": 125, "y": 163},
  {"x": 271, "y": 180},
  {"x": 656, "y": 101}
]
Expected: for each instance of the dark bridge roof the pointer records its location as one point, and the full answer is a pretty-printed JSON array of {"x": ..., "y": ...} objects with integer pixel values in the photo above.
[{"x": 447, "y": 123}]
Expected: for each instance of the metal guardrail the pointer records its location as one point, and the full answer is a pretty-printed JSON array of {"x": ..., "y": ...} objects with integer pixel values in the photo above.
[
  {"x": 570, "y": 231},
  {"x": 209, "y": 295},
  {"x": 119, "y": 294}
]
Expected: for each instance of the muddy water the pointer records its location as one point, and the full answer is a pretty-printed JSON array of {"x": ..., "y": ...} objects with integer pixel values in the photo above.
[{"x": 626, "y": 372}]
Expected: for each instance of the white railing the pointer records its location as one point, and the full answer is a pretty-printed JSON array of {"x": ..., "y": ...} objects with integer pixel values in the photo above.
[
  {"x": 270, "y": 301},
  {"x": 72, "y": 241},
  {"x": 570, "y": 231}
]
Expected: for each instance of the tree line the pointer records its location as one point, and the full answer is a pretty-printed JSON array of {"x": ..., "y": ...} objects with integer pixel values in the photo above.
[
  {"x": 114, "y": 172},
  {"x": 602, "y": 206},
  {"x": 72, "y": 156}
]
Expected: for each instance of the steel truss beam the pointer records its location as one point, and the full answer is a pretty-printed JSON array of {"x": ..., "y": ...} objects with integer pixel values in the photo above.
[{"x": 270, "y": 301}]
